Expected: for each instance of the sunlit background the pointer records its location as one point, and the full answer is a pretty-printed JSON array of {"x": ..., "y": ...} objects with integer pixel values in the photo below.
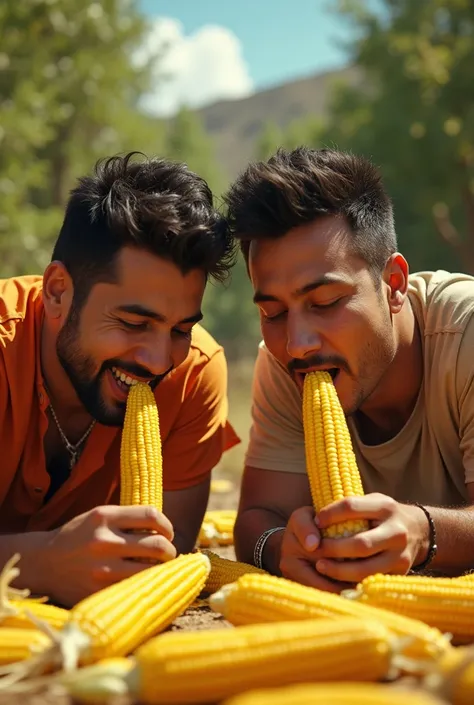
[{"x": 217, "y": 84}]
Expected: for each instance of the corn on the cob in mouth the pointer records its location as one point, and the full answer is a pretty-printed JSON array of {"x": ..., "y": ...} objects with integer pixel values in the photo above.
[
  {"x": 330, "y": 461},
  {"x": 141, "y": 464}
]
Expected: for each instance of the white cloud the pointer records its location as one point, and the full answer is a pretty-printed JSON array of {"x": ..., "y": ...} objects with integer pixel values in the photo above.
[{"x": 202, "y": 67}]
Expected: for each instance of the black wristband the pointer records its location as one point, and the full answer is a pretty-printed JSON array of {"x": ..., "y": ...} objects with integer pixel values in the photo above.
[{"x": 433, "y": 547}]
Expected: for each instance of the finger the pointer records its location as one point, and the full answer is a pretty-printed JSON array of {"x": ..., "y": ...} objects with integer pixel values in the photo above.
[
  {"x": 363, "y": 545},
  {"x": 155, "y": 547},
  {"x": 355, "y": 571},
  {"x": 135, "y": 517},
  {"x": 370, "y": 506},
  {"x": 302, "y": 525},
  {"x": 304, "y": 573}
]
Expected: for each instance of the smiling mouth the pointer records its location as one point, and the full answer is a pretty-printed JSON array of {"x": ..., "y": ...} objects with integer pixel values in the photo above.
[{"x": 124, "y": 380}]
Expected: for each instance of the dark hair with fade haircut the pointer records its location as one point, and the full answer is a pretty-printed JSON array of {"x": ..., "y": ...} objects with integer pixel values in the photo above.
[
  {"x": 154, "y": 204},
  {"x": 296, "y": 187}
]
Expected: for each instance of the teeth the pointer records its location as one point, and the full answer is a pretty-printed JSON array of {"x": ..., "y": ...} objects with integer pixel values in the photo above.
[{"x": 126, "y": 379}]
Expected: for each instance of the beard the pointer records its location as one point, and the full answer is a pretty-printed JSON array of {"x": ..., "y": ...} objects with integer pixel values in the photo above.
[{"x": 81, "y": 370}]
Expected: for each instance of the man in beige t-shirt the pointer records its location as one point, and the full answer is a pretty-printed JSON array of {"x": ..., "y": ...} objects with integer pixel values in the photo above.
[{"x": 317, "y": 232}]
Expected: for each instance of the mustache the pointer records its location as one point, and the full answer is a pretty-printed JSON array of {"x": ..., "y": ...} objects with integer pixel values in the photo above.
[
  {"x": 138, "y": 371},
  {"x": 317, "y": 361}
]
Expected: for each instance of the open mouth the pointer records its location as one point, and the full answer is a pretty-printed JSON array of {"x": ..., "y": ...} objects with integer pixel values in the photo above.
[
  {"x": 123, "y": 380},
  {"x": 333, "y": 371}
]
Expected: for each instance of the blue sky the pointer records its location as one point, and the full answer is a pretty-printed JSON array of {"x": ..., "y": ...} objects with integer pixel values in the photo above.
[
  {"x": 230, "y": 48},
  {"x": 280, "y": 39}
]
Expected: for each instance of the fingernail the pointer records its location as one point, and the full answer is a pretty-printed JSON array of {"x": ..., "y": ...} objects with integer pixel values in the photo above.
[
  {"x": 316, "y": 520},
  {"x": 311, "y": 542},
  {"x": 321, "y": 566}
]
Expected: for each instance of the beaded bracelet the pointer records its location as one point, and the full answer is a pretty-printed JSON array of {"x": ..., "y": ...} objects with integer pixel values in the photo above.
[
  {"x": 260, "y": 545},
  {"x": 433, "y": 548}
]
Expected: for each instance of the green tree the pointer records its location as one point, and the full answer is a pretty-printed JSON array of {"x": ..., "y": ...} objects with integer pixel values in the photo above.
[
  {"x": 416, "y": 119},
  {"x": 69, "y": 94},
  {"x": 187, "y": 141}
]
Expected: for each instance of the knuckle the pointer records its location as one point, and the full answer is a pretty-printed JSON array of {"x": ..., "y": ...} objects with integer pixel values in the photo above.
[
  {"x": 363, "y": 545},
  {"x": 99, "y": 515},
  {"x": 400, "y": 535},
  {"x": 151, "y": 514},
  {"x": 100, "y": 576}
]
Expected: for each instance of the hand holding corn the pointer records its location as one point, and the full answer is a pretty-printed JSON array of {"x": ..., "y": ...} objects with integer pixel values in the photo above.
[{"x": 383, "y": 535}]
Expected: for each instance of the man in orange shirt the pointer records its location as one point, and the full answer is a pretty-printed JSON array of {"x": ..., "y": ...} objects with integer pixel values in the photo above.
[{"x": 120, "y": 301}]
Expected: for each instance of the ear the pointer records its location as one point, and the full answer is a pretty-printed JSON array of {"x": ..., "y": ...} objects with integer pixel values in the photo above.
[
  {"x": 396, "y": 278},
  {"x": 58, "y": 291}
]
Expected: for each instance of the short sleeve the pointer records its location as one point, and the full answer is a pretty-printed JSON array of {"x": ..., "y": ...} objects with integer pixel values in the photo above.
[
  {"x": 465, "y": 391},
  {"x": 276, "y": 435},
  {"x": 202, "y": 432}
]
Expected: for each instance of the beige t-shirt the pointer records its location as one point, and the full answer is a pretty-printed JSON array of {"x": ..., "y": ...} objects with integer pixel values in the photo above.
[{"x": 432, "y": 458}]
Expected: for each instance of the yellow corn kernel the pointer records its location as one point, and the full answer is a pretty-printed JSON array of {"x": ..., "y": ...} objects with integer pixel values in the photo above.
[
  {"x": 225, "y": 571},
  {"x": 454, "y": 679},
  {"x": 217, "y": 528},
  {"x": 467, "y": 576},
  {"x": 56, "y": 617},
  {"x": 141, "y": 465},
  {"x": 443, "y": 603},
  {"x": 330, "y": 461},
  {"x": 21, "y": 644},
  {"x": 186, "y": 667},
  {"x": 255, "y": 599},
  {"x": 335, "y": 694},
  {"x": 120, "y": 617}
]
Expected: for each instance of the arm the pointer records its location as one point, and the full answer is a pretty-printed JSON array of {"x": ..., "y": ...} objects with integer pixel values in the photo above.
[
  {"x": 267, "y": 500},
  {"x": 194, "y": 447},
  {"x": 190, "y": 503}
]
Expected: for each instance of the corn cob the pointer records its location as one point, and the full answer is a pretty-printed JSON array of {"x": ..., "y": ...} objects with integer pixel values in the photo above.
[
  {"x": 187, "y": 667},
  {"x": 122, "y": 616},
  {"x": 443, "y": 603},
  {"x": 330, "y": 460},
  {"x": 225, "y": 571},
  {"x": 467, "y": 576},
  {"x": 21, "y": 644},
  {"x": 14, "y": 612},
  {"x": 334, "y": 694},
  {"x": 141, "y": 466},
  {"x": 217, "y": 528},
  {"x": 56, "y": 617},
  {"x": 454, "y": 679},
  {"x": 255, "y": 599}
]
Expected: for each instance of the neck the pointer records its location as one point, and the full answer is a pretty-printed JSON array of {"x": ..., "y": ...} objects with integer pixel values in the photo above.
[
  {"x": 71, "y": 414},
  {"x": 388, "y": 409}
]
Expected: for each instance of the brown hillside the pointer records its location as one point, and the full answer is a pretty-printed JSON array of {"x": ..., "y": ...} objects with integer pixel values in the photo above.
[{"x": 235, "y": 125}]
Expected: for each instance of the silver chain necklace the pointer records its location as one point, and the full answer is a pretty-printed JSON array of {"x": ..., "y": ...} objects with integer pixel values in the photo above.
[{"x": 73, "y": 450}]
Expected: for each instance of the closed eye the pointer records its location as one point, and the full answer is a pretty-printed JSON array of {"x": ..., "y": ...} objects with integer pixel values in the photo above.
[{"x": 134, "y": 326}]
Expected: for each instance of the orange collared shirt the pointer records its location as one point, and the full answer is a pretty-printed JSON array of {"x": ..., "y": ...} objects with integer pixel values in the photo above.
[{"x": 192, "y": 403}]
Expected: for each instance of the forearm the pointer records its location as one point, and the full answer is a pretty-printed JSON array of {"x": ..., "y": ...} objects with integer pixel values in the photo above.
[
  {"x": 250, "y": 525},
  {"x": 30, "y": 547},
  {"x": 454, "y": 539}
]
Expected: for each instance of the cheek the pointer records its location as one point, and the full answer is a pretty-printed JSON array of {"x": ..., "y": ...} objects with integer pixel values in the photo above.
[
  {"x": 179, "y": 350},
  {"x": 110, "y": 344},
  {"x": 275, "y": 337}
]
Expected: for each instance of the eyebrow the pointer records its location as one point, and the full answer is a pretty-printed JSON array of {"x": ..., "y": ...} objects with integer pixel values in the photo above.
[
  {"x": 324, "y": 280},
  {"x": 138, "y": 310}
]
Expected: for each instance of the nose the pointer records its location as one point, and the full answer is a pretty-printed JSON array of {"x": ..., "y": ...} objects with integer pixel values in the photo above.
[
  {"x": 155, "y": 356},
  {"x": 302, "y": 337}
]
